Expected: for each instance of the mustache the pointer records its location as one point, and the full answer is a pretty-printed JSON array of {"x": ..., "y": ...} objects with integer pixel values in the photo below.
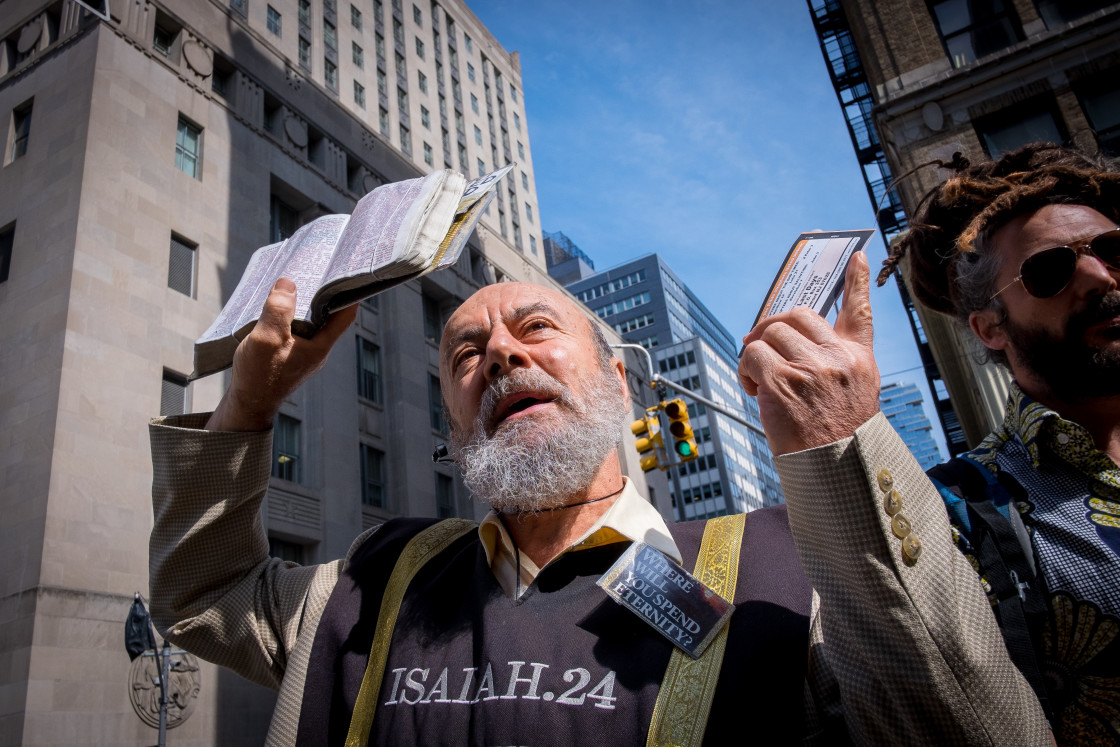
[
  {"x": 519, "y": 381},
  {"x": 1098, "y": 309}
]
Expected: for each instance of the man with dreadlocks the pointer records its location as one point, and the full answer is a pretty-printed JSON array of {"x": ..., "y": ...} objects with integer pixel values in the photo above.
[{"x": 1025, "y": 252}]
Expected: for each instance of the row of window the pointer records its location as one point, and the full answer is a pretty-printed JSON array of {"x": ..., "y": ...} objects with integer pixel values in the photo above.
[
  {"x": 633, "y": 324},
  {"x": 711, "y": 490},
  {"x": 699, "y": 464},
  {"x": 610, "y": 287},
  {"x": 673, "y": 362},
  {"x": 623, "y": 305}
]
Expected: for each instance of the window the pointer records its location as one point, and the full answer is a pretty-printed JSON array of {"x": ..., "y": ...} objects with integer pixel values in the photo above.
[
  {"x": 273, "y": 21},
  {"x": 373, "y": 476},
  {"x": 528, "y": 212},
  {"x": 517, "y": 121},
  {"x": 379, "y": 43},
  {"x": 481, "y": 168},
  {"x": 442, "y": 106},
  {"x": 286, "y": 463},
  {"x": 417, "y": 16},
  {"x": 21, "y": 130},
  {"x": 513, "y": 93},
  {"x": 467, "y": 43},
  {"x": 445, "y": 496},
  {"x": 398, "y": 31},
  {"x": 433, "y": 320},
  {"x": 533, "y": 243},
  {"x": 369, "y": 371},
  {"x": 283, "y": 220},
  {"x": 173, "y": 395},
  {"x": 378, "y": 12},
  {"x": 971, "y": 30},
  {"x": 419, "y": 48},
  {"x": 1102, "y": 107},
  {"x": 402, "y": 69},
  {"x": 435, "y": 406},
  {"x": 330, "y": 6},
  {"x": 359, "y": 94},
  {"x": 521, "y": 151},
  {"x": 462, "y": 156},
  {"x": 406, "y": 140},
  {"x": 470, "y": 71},
  {"x": 355, "y": 18},
  {"x": 428, "y": 158},
  {"x": 357, "y": 55},
  {"x": 180, "y": 266},
  {"x": 330, "y": 74},
  {"x": 425, "y": 118},
  {"x": 474, "y": 103},
  {"x": 1017, "y": 125},
  {"x": 187, "y": 143},
  {"x": 422, "y": 80},
  {"x": 477, "y": 135},
  {"x": 304, "y": 53},
  {"x": 524, "y": 180},
  {"x": 382, "y": 83},
  {"x": 305, "y": 12},
  {"x": 383, "y": 120},
  {"x": 7, "y": 240},
  {"x": 330, "y": 34},
  {"x": 402, "y": 101},
  {"x": 162, "y": 40},
  {"x": 1060, "y": 12},
  {"x": 282, "y": 549}
]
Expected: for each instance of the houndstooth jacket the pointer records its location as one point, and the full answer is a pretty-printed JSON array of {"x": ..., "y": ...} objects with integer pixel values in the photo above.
[{"x": 902, "y": 651}]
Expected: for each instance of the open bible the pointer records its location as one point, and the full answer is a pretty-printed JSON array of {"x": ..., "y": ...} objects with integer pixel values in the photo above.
[{"x": 397, "y": 232}]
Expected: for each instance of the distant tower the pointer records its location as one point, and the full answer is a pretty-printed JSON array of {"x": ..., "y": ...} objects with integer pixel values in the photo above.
[
  {"x": 648, "y": 304},
  {"x": 901, "y": 402}
]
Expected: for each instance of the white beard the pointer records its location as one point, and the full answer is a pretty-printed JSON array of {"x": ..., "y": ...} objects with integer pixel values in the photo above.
[{"x": 538, "y": 462}]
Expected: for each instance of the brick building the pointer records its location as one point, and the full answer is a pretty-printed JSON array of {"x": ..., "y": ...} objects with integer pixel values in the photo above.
[{"x": 920, "y": 80}]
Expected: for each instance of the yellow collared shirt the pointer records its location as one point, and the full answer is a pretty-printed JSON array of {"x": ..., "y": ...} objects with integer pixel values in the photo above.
[{"x": 631, "y": 518}]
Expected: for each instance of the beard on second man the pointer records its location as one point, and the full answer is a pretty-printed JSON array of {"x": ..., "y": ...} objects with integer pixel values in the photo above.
[
  {"x": 540, "y": 461},
  {"x": 1072, "y": 367}
]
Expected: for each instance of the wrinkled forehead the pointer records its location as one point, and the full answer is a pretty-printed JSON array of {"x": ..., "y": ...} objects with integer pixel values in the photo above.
[
  {"x": 1051, "y": 225},
  {"x": 504, "y": 303}
]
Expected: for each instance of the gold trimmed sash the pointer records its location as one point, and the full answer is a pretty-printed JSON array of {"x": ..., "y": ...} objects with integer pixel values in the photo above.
[
  {"x": 419, "y": 550},
  {"x": 681, "y": 712}
]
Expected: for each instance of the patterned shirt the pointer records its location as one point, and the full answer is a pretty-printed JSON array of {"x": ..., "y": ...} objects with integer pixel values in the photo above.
[{"x": 1072, "y": 512}]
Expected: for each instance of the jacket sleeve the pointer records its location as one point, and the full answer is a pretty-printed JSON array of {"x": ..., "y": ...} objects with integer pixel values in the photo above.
[
  {"x": 913, "y": 644},
  {"x": 214, "y": 590}
]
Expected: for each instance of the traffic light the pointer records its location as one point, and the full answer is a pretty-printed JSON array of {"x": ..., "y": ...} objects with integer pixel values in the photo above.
[
  {"x": 648, "y": 432},
  {"x": 684, "y": 442}
]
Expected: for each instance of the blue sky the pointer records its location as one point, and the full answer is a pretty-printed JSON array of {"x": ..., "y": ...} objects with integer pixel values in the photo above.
[{"x": 706, "y": 131}]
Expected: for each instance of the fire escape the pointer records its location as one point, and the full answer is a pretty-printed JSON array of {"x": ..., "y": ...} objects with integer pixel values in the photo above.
[{"x": 854, "y": 94}]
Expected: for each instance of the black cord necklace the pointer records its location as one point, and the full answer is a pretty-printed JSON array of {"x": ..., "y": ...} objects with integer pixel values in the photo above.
[{"x": 517, "y": 550}]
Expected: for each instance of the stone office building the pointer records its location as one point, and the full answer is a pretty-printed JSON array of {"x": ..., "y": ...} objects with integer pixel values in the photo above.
[
  {"x": 145, "y": 156},
  {"x": 919, "y": 80}
]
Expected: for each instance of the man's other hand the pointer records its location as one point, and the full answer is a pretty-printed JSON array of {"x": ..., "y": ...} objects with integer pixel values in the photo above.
[
  {"x": 271, "y": 362},
  {"x": 814, "y": 384}
]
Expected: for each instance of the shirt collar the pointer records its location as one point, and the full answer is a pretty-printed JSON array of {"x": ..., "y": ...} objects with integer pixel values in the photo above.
[
  {"x": 631, "y": 518},
  {"x": 1038, "y": 428}
]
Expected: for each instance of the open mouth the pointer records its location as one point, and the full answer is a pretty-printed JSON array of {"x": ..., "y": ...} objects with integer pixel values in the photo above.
[{"x": 518, "y": 404}]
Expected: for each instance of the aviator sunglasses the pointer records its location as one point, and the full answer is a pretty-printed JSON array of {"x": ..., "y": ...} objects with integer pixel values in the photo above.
[{"x": 1048, "y": 272}]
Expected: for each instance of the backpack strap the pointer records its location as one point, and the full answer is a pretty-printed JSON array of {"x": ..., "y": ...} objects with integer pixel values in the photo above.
[
  {"x": 419, "y": 550},
  {"x": 1006, "y": 559},
  {"x": 681, "y": 712}
]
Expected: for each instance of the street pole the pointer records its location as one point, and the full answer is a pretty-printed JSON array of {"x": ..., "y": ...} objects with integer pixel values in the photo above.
[
  {"x": 164, "y": 673},
  {"x": 657, "y": 380}
]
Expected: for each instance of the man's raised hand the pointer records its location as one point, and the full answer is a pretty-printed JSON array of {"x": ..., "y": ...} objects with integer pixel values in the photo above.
[
  {"x": 271, "y": 362},
  {"x": 814, "y": 384}
]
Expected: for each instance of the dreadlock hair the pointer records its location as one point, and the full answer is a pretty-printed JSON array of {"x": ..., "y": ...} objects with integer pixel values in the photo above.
[{"x": 952, "y": 269}]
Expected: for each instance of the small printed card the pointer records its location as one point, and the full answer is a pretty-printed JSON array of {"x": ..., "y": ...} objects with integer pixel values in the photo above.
[
  {"x": 813, "y": 272},
  {"x": 669, "y": 598}
]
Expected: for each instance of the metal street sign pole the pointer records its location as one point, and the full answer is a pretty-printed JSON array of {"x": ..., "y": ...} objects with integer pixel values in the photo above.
[{"x": 657, "y": 380}]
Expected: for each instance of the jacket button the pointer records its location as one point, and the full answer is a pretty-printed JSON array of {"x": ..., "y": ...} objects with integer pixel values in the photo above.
[
  {"x": 886, "y": 480},
  {"x": 900, "y": 525},
  {"x": 911, "y": 548},
  {"x": 892, "y": 502}
]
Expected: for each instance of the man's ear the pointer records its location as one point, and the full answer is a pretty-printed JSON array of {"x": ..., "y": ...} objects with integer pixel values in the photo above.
[
  {"x": 987, "y": 325},
  {"x": 620, "y": 373}
]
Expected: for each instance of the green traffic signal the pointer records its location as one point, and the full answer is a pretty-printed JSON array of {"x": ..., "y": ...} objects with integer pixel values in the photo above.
[{"x": 684, "y": 448}]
